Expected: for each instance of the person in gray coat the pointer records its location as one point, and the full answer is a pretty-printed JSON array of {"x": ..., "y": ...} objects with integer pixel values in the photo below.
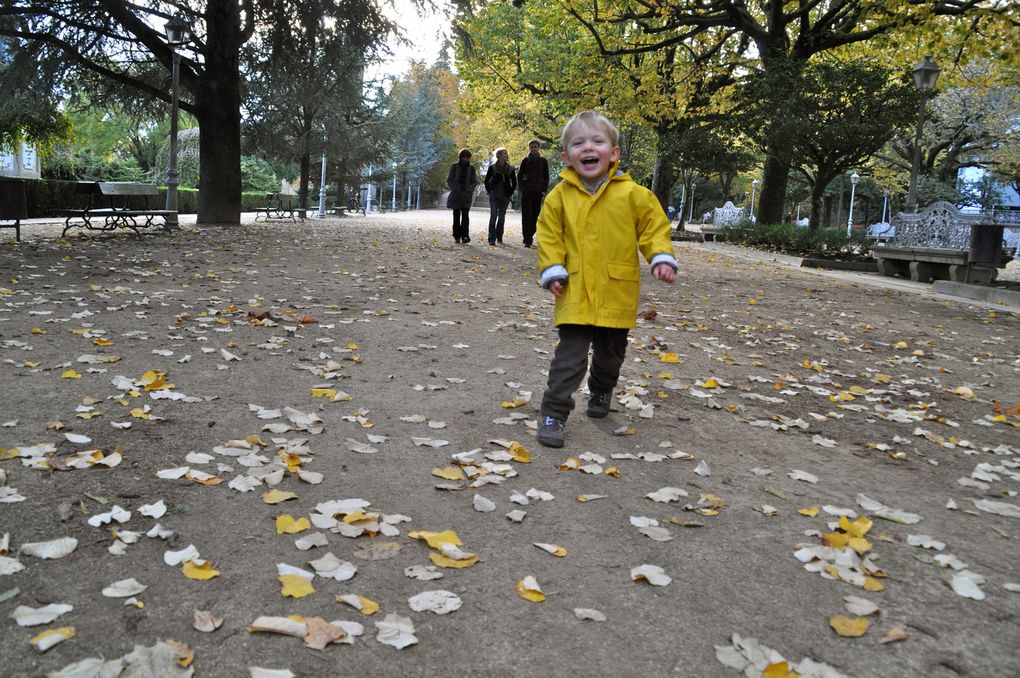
[{"x": 462, "y": 181}]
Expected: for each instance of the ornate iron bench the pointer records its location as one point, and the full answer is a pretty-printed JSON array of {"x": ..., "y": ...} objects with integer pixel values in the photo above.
[
  {"x": 13, "y": 205},
  {"x": 727, "y": 215},
  {"x": 127, "y": 207},
  {"x": 276, "y": 208},
  {"x": 941, "y": 243}
]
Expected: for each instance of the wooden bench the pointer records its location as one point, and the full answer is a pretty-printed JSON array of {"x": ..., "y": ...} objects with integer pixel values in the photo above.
[
  {"x": 940, "y": 243},
  {"x": 126, "y": 206},
  {"x": 13, "y": 205},
  {"x": 276, "y": 209}
]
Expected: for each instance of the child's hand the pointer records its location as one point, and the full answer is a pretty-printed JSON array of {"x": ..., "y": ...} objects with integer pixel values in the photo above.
[
  {"x": 556, "y": 287},
  {"x": 664, "y": 272}
]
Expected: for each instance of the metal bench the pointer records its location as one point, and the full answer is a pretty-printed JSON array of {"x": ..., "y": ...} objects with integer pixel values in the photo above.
[
  {"x": 13, "y": 205},
  {"x": 276, "y": 209},
  {"x": 941, "y": 243},
  {"x": 127, "y": 206}
]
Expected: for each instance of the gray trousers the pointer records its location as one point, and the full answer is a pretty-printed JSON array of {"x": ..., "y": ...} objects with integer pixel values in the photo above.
[{"x": 569, "y": 363}]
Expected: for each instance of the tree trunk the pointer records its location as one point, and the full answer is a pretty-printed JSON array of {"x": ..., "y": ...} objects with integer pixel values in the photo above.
[
  {"x": 773, "y": 185},
  {"x": 817, "y": 200},
  {"x": 218, "y": 110},
  {"x": 662, "y": 179}
]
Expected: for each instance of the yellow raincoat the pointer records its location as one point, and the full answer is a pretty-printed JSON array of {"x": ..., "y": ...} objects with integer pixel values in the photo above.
[{"x": 596, "y": 238}]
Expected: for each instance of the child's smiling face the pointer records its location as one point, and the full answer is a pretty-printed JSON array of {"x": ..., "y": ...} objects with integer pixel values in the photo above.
[{"x": 590, "y": 151}]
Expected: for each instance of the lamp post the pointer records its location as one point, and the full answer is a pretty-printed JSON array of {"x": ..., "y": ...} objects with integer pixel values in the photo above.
[
  {"x": 926, "y": 74},
  {"x": 885, "y": 203},
  {"x": 177, "y": 31},
  {"x": 690, "y": 216},
  {"x": 754, "y": 185},
  {"x": 393, "y": 198},
  {"x": 854, "y": 178},
  {"x": 322, "y": 184}
]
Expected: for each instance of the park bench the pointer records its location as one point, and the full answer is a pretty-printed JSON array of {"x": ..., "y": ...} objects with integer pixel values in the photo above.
[
  {"x": 13, "y": 205},
  {"x": 881, "y": 232},
  {"x": 941, "y": 243},
  {"x": 353, "y": 206},
  {"x": 276, "y": 209},
  {"x": 125, "y": 205},
  {"x": 727, "y": 216}
]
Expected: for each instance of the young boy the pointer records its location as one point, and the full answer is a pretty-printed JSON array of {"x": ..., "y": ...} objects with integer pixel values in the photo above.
[{"x": 589, "y": 232}]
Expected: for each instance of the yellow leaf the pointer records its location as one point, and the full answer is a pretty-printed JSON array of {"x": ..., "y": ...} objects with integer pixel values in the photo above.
[
  {"x": 360, "y": 603},
  {"x": 38, "y": 330},
  {"x": 6, "y": 290},
  {"x": 437, "y": 539},
  {"x": 528, "y": 589},
  {"x": 201, "y": 572},
  {"x": 139, "y": 413},
  {"x": 70, "y": 374},
  {"x": 519, "y": 453},
  {"x": 872, "y": 584},
  {"x": 859, "y": 390},
  {"x": 293, "y": 462},
  {"x": 779, "y": 670},
  {"x": 665, "y": 375},
  {"x": 12, "y": 453},
  {"x": 849, "y": 627},
  {"x": 812, "y": 365},
  {"x": 295, "y": 586},
  {"x": 846, "y": 396},
  {"x": 449, "y": 473},
  {"x": 860, "y": 545},
  {"x": 711, "y": 382},
  {"x": 571, "y": 464},
  {"x": 286, "y": 524},
  {"x": 882, "y": 378},
  {"x": 102, "y": 342},
  {"x": 612, "y": 471},
  {"x": 858, "y": 528},
  {"x": 836, "y": 540},
  {"x": 964, "y": 392},
  {"x": 900, "y": 345},
  {"x": 809, "y": 512},
  {"x": 327, "y": 393},
  {"x": 277, "y": 496},
  {"x": 88, "y": 415},
  {"x": 670, "y": 358},
  {"x": 442, "y": 561},
  {"x": 51, "y": 637},
  {"x": 351, "y": 346},
  {"x": 515, "y": 403}
]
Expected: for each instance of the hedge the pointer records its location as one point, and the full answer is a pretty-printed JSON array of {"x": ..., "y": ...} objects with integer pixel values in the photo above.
[{"x": 49, "y": 197}]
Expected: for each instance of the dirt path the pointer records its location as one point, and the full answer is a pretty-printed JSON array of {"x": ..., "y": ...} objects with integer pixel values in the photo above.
[{"x": 744, "y": 375}]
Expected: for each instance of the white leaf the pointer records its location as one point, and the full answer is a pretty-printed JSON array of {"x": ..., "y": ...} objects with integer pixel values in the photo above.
[
  {"x": 259, "y": 672},
  {"x": 653, "y": 574},
  {"x": 28, "y": 616},
  {"x": 77, "y": 438},
  {"x": 966, "y": 587},
  {"x": 483, "y": 505},
  {"x": 803, "y": 475},
  {"x": 584, "y": 614},
  {"x": 439, "y": 601},
  {"x": 702, "y": 469},
  {"x": 282, "y": 625},
  {"x": 310, "y": 541},
  {"x": 665, "y": 495},
  {"x": 55, "y": 548},
  {"x": 861, "y": 607},
  {"x": 124, "y": 588},
  {"x": 396, "y": 630},
  {"x": 423, "y": 572},
  {"x": 516, "y": 515},
  {"x": 882, "y": 511},
  {"x": 174, "y": 558},
  {"x": 157, "y": 510},
  {"x": 428, "y": 442},
  {"x": 824, "y": 442},
  {"x": 9, "y": 566},
  {"x": 997, "y": 507},
  {"x": 331, "y": 567},
  {"x": 360, "y": 447},
  {"x": 925, "y": 541}
]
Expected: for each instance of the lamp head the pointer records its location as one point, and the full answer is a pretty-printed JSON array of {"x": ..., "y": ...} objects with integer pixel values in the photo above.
[
  {"x": 754, "y": 182},
  {"x": 926, "y": 74},
  {"x": 854, "y": 178},
  {"x": 177, "y": 30}
]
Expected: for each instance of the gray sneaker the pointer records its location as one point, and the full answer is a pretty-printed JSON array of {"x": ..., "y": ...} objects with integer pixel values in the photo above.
[
  {"x": 551, "y": 431},
  {"x": 598, "y": 405}
]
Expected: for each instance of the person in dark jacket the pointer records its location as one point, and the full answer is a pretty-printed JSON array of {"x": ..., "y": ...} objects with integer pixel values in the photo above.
[
  {"x": 533, "y": 179},
  {"x": 500, "y": 184},
  {"x": 462, "y": 181}
]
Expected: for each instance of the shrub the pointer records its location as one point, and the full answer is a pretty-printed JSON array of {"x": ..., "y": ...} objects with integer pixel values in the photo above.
[{"x": 829, "y": 243}]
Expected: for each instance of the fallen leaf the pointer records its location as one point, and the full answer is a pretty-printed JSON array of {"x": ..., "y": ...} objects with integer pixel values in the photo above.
[
  {"x": 286, "y": 524},
  {"x": 894, "y": 635},
  {"x": 199, "y": 571},
  {"x": 48, "y": 550},
  {"x": 322, "y": 633},
  {"x": 396, "y": 631},
  {"x": 360, "y": 603},
  {"x": 295, "y": 586},
  {"x": 124, "y": 588},
  {"x": 849, "y": 627},
  {"x": 439, "y": 601},
  {"x": 28, "y": 616},
  {"x": 277, "y": 496},
  {"x": 50, "y": 637},
  {"x": 653, "y": 574},
  {"x": 529, "y": 589},
  {"x": 553, "y": 549},
  {"x": 588, "y": 614},
  {"x": 206, "y": 621}
]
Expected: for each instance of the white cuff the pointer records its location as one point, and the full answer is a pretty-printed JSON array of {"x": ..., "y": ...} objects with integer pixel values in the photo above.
[
  {"x": 554, "y": 272},
  {"x": 664, "y": 258}
]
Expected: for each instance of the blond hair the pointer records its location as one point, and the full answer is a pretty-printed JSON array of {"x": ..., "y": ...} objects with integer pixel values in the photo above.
[{"x": 589, "y": 119}]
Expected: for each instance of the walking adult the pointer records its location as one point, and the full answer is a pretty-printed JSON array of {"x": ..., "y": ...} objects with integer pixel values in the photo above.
[
  {"x": 533, "y": 179},
  {"x": 500, "y": 184},
  {"x": 462, "y": 181}
]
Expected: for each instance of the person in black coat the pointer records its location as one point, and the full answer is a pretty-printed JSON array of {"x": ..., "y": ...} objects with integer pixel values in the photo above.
[
  {"x": 533, "y": 178},
  {"x": 500, "y": 184},
  {"x": 462, "y": 181}
]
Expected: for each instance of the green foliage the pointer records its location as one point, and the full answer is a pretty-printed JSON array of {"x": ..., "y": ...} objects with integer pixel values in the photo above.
[
  {"x": 257, "y": 175},
  {"x": 82, "y": 165},
  {"x": 829, "y": 243}
]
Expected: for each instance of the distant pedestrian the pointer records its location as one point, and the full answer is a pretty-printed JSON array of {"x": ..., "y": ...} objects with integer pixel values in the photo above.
[
  {"x": 589, "y": 233},
  {"x": 462, "y": 181},
  {"x": 500, "y": 184},
  {"x": 533, "y": 179}
]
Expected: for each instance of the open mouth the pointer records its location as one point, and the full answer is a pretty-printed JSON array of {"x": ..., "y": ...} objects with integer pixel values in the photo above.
[{"x": 589, "y": 163}]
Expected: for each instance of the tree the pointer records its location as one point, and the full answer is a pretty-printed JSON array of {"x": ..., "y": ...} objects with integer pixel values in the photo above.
[
  {"x": 786, "y": 35},
  {"x": 847, "y": 111},
  {"x": 27, "y": 111}
]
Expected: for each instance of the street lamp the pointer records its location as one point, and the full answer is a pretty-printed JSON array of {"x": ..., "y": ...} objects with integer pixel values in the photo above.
[
  {"x": 854, "y": 178},
  {"x": 690, "y": 216},
  {"x": 177, "y": 31},
  {"x": 926, "y": 74},
  {"x": 322, "y": 184},
  {"x": 754, "y": 185}
]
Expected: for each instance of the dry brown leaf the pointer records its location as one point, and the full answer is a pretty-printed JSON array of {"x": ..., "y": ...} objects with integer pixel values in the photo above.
[
  {"x": 321, "y": 633},
  {"x": 206, "y": 621}
]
